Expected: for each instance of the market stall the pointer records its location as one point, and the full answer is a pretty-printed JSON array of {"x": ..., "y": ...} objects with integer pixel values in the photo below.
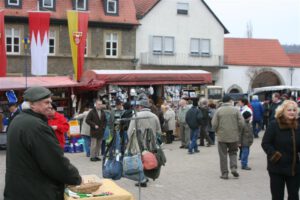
[
  {"x": 61, "y": 87},
  {"x": 168, "y": 84}
]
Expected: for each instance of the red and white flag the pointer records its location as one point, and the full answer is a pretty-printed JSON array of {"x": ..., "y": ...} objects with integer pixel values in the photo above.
[
  {"x": 39, "y": 36},
  {"x": 2, "y": 46}
]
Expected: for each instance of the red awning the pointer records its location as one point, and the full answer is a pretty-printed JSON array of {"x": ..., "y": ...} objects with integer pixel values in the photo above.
[
  {"x": 8, "y": 83},
  {"x": 146, "y": 77}
]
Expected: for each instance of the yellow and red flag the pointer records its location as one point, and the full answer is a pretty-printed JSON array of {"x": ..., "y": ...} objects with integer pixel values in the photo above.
[
  {"x": 2, "y": 46},
  {"x": 78, "y": 27}
]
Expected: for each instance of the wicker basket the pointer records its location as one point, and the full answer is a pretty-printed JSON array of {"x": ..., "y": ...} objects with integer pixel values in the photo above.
[{"x": 85, "y": 188}]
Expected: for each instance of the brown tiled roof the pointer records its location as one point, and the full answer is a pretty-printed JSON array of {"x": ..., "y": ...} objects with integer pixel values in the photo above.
[
  {"x": 255, "y": 52},
  {"x": 144, "y": 6},
  {"x": 127, "y": 12},
  {"x": 295, "y": 59}
]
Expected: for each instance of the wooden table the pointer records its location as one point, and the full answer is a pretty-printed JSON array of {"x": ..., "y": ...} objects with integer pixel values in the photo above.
[{"x": 108, "y": 185}]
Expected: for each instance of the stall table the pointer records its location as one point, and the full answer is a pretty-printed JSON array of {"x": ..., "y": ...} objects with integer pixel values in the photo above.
[{"x": 108, "y": 185}]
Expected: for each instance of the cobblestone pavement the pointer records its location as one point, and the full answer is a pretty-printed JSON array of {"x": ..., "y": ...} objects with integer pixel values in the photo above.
[{"x": 189, "y": 177}]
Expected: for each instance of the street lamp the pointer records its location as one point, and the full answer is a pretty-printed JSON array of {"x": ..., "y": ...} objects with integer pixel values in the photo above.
[{"x": 26, "y": 43}]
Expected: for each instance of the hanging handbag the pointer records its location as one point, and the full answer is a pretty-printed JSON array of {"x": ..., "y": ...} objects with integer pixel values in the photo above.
[
  {"x": 112, "y": 165},
  {"x": 132, "y": 162},
  {"x": 148, "y": 158}
]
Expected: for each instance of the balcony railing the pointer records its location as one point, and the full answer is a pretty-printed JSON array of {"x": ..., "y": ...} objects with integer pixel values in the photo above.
[{"x": 180, "y": 59}]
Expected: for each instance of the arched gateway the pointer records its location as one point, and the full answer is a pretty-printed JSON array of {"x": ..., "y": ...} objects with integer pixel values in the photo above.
[{"x": 266, "y": 77}]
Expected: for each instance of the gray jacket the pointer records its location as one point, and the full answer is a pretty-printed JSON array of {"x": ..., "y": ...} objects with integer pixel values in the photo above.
[
  {"x": 246, "y": 139},
  {"x": 228, "y": 123},
  {"x": 152, "y": 122}
]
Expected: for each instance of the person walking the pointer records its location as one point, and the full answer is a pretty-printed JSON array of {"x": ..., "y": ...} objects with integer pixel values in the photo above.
[
  {"x": 85, "y": 129},
  {"x": 258, "y": 113},
  {"x": 228, "y": 123},
  {"x": 36, "y": 167},
  {"x": 97, "y": 121},
  {"x": 276, "y": 101},
  {"x": 203, "y": 106},
  {"x": 211, "y": 113},
  {"x": 193, "y": 119},
  {"x": 281, "y": 143},
  {"x": 170, "y": 122},
  {"x": 148, "y": 120},
  {"x": 246, "y": 140},
  {"x": 59, "y": 124},
  {"x": 183, "y": 126}
]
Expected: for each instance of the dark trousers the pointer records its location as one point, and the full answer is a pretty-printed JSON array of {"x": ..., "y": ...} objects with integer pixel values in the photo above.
[
  {"x": 169, "y": 136},
  {"x": 204, "y": 135},
  {"x": 278, "y": 182}
]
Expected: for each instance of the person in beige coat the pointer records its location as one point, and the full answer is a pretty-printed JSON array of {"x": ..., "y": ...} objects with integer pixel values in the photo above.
[
  {"x": 170, "y": 122},
  {"x": 228, "y": 123}
]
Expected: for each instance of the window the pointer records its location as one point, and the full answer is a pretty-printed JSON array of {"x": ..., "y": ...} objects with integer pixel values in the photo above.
[
  {"x": 111, "y": 44},
  {"x": 52, "y": 42},
  {"x": 47, "y": 3},
  {"x": 80, "y": 5},
  {"x": 157, "y": 44},
  {"x": 168, "y": 45},
  {"x": 86, "y": 47},
  {"x": 200, "y": 47},
  {"x": 182, "y": 8},
  {"x": 111, "y": 6},
  {"x": 205, "y": 47},
  {"x": 163, "y": 45},
  {"x": 195, "y": 47},
  {"x": 13, "y": 3},
  {"x": 12, "y": 40}
]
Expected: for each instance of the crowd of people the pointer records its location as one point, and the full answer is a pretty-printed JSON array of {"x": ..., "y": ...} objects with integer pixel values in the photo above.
[{"x": 38, "y": 132}]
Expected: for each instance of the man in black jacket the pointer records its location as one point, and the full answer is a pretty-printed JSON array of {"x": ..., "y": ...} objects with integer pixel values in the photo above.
[
  {"x": 35, "y": 164},
  {"x": 194, "y": 118}
]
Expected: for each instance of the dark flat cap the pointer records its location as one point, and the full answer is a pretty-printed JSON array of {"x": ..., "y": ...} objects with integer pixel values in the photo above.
[
  {"x": 36, "y": 93},
  {"x": 226, "y": 98}
]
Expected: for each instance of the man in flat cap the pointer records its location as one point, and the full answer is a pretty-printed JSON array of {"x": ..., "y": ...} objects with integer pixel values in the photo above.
[
  {"x": 35, "y": 164},
  {"x": 228, "y": 123}
]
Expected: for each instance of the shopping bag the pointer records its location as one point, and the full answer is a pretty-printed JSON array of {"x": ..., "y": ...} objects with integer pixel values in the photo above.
[{"x": 112, "y": 164}]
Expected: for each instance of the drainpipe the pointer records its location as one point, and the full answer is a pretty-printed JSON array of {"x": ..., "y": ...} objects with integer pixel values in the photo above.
[{"x": 291, "y": 69}]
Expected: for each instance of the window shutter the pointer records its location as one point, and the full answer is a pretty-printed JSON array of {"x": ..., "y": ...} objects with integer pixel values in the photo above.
[
  {"x": 195, "y": 46},
  {"x": 169, "y": 45},
  {"x": 157, "y": 44},
  {"x": 205, "y": 47}
]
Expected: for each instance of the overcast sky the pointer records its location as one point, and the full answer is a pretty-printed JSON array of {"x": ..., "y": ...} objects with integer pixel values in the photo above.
[{"x": 270, "y": 19}]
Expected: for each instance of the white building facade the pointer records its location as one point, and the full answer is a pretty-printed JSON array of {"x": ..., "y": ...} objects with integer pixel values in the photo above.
[{"x": 183, "y": 34}]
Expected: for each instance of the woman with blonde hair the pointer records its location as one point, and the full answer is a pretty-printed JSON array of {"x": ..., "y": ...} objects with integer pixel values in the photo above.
[{"x": 281, "y": 143}]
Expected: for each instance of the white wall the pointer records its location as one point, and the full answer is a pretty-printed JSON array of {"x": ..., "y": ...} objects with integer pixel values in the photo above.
[
  {"x": 163, "y": 20},
  {"x": 238, "y": 75}
]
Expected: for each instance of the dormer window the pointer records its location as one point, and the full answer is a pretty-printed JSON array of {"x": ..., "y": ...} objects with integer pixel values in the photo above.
[
  {"x": 112, "y": 7},
  {"x": 182, "y": 8},
  {"x": 47, "y": 4},
  {"x": 13, "y": 3},
  {"x": 80, "y": 5}
]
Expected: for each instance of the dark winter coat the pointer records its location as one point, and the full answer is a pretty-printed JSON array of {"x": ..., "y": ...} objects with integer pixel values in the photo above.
[
  {"x": 193, "y": 117},
  {"x": 273, "y": 108},
  {"x": 246, "y": 138},
  {"x": 35, "y": 164},
  {"x": 282, "y": 146},
  {"x": 93, "y": 119}
]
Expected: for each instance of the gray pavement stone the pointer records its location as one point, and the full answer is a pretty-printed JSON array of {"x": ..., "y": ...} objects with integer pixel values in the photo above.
[{"x": 188, "y": 177}]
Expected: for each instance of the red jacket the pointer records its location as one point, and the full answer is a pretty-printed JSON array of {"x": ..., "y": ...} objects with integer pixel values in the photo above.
[{"x": 62, "y": 127}]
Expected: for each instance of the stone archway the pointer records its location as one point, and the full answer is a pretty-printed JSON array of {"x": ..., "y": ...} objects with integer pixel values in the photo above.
[
  {"x": 265, "y": 77},
  {"x": 235, "y": 89}
]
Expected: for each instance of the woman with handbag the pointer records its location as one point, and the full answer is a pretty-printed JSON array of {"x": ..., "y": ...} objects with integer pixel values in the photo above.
[{"x": 281, "y": 143}]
